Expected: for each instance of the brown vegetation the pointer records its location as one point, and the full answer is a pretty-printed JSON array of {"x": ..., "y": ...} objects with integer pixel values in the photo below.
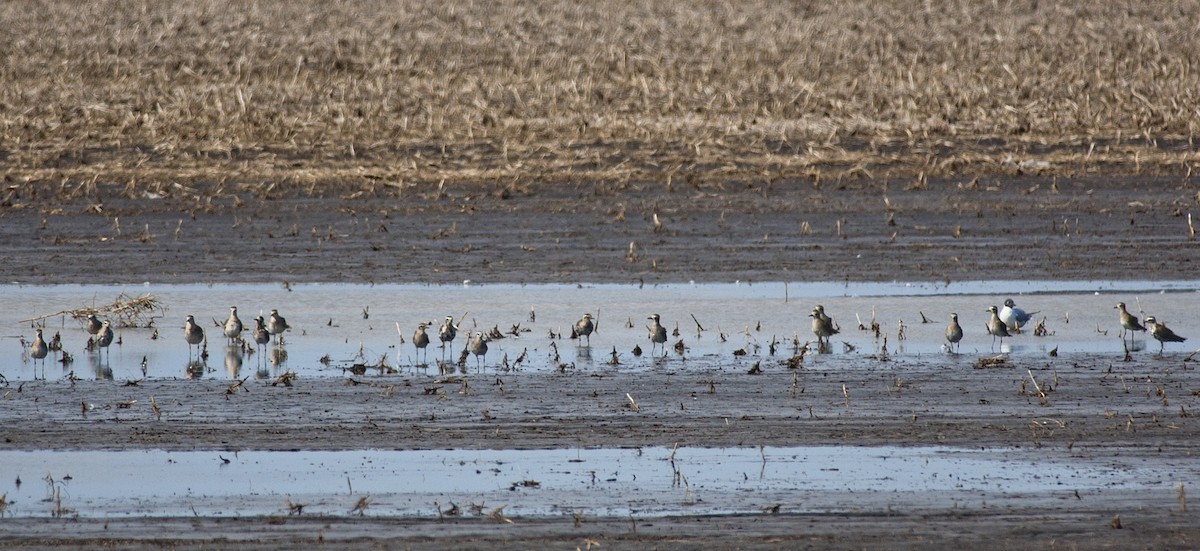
[{"x": 147, "y": 95}]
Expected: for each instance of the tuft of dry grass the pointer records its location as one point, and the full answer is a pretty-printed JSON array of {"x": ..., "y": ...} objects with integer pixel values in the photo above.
[{"x": 142, "y": 99}]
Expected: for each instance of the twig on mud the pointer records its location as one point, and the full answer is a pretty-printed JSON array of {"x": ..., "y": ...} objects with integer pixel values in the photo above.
[
  {"x": 284, "y": 379},
  {"x": 497, "y": 515},
  {"x": 994, "y": 361},
  {"x": 1035, "y": 384},
  {"x": 360, "y": 508},
  {"x": 294, "y": 508},
  {"x": 233, "y": 388},
  {"x": 1041, "y": 394}
]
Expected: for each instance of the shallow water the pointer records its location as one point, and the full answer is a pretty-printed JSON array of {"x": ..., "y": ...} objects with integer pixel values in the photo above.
[
  {"x": 642, "y": 482},
  {"x": 329, "y": 321}
]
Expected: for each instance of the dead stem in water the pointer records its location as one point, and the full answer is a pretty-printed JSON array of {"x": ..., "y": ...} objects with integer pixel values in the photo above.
[{"x": 125, "y": 311}]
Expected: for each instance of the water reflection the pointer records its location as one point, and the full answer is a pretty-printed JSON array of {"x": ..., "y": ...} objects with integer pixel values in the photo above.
[
  {"x": 583, "y": 355},
  {"x": 100, "y": 366},
  {"x": 194, "y": 369},
  {"x": 278, "y": 357},
  {"x": 636, "y": 481},
  {"x": 233, "y": 360}
]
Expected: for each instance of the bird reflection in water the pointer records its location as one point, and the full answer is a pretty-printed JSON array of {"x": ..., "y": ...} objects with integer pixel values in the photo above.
[
  {"x": 101, "y": 367},
  {"x": 583, "y": 355},
  {"x": 233, "y": 360},
  {"x": 279, "y": 357},
  {"x": 194, "y": 369}
]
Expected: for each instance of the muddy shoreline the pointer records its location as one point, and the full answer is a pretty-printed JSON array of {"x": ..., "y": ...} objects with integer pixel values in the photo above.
[
  {"x": 571, "y": 232},
  {"x": 567, "y": 233},
  {"x": 1095, "y": 407},
  {"x": 704, "y": 403}
]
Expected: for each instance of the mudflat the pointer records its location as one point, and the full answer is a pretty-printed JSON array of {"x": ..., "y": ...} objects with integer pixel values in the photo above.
[
  {"x": 1081, "y": 409},
  {"x": 1001, "y": 228},
  {"x": 281, "y": 142}
]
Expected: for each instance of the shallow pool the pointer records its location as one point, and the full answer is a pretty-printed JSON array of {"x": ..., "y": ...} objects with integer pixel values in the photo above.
[
  {"x": 642, "y": 482},
  {"x": 338, "y": 326}
]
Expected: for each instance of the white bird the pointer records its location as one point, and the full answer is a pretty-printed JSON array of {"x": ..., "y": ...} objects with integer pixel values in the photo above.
[
  {"x": 233, "y": 326},
  {"x": 658, "y": 334},
  {"x": 954, "y": 332},
  {"x": 584, "y": 328},
  {"x": 1013, "y": 317},
  {"x": 193, "y": 334}
]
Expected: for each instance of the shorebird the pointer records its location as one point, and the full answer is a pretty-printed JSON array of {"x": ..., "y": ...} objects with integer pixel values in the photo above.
[
  {"x": 1161, "y": 333},
  {"x": 233, "y": 326},
  {"x": 261, "y": 335},
  {"x": 93, "y": 324},
  {"x": 421, "y": 341},
  {"x": 446, "y": 334},
  {"x": 822, "y": 325},
  {"x": 104, "y": 337},
  {"x": 996, "y": 327},
  {"x": 1129, "y": 322},
  {"x": 658, "y": 334},
  {"x": 276, "y": 325},
  {"x": 478, "y": 346},
  {"x": 193, "y": 334},
  {"x": 39, "y": 349},
  {"x": 584, "y": 327},
  {"x": 954, "y": 332},
  {"x": 1013, "y": 317}
]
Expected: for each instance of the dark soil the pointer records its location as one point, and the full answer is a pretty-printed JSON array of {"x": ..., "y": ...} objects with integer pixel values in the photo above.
[{"x": 1000, "y": 228}]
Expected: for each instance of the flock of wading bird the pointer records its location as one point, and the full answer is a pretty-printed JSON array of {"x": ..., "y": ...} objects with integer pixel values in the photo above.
[{"x": 1004, "y": 322}]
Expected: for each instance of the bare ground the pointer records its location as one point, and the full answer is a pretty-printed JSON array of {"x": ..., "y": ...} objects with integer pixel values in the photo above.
[
  {"x": 990, "y": 228},
  {"x": 1093, "y": 407},
  {"x": 986, "y": 228}
]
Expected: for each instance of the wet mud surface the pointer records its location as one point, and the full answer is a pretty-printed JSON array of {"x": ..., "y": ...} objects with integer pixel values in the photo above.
[
  {"x": 1095, "y": 410},
  {"x": 568, "y": 232},
  {"x": 1096, "y": 406}
]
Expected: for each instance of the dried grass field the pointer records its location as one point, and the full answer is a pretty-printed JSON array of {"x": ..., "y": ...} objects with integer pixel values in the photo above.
[
  {"x": 606, "y": 141},
  {"x": 275, "y": 94}
]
